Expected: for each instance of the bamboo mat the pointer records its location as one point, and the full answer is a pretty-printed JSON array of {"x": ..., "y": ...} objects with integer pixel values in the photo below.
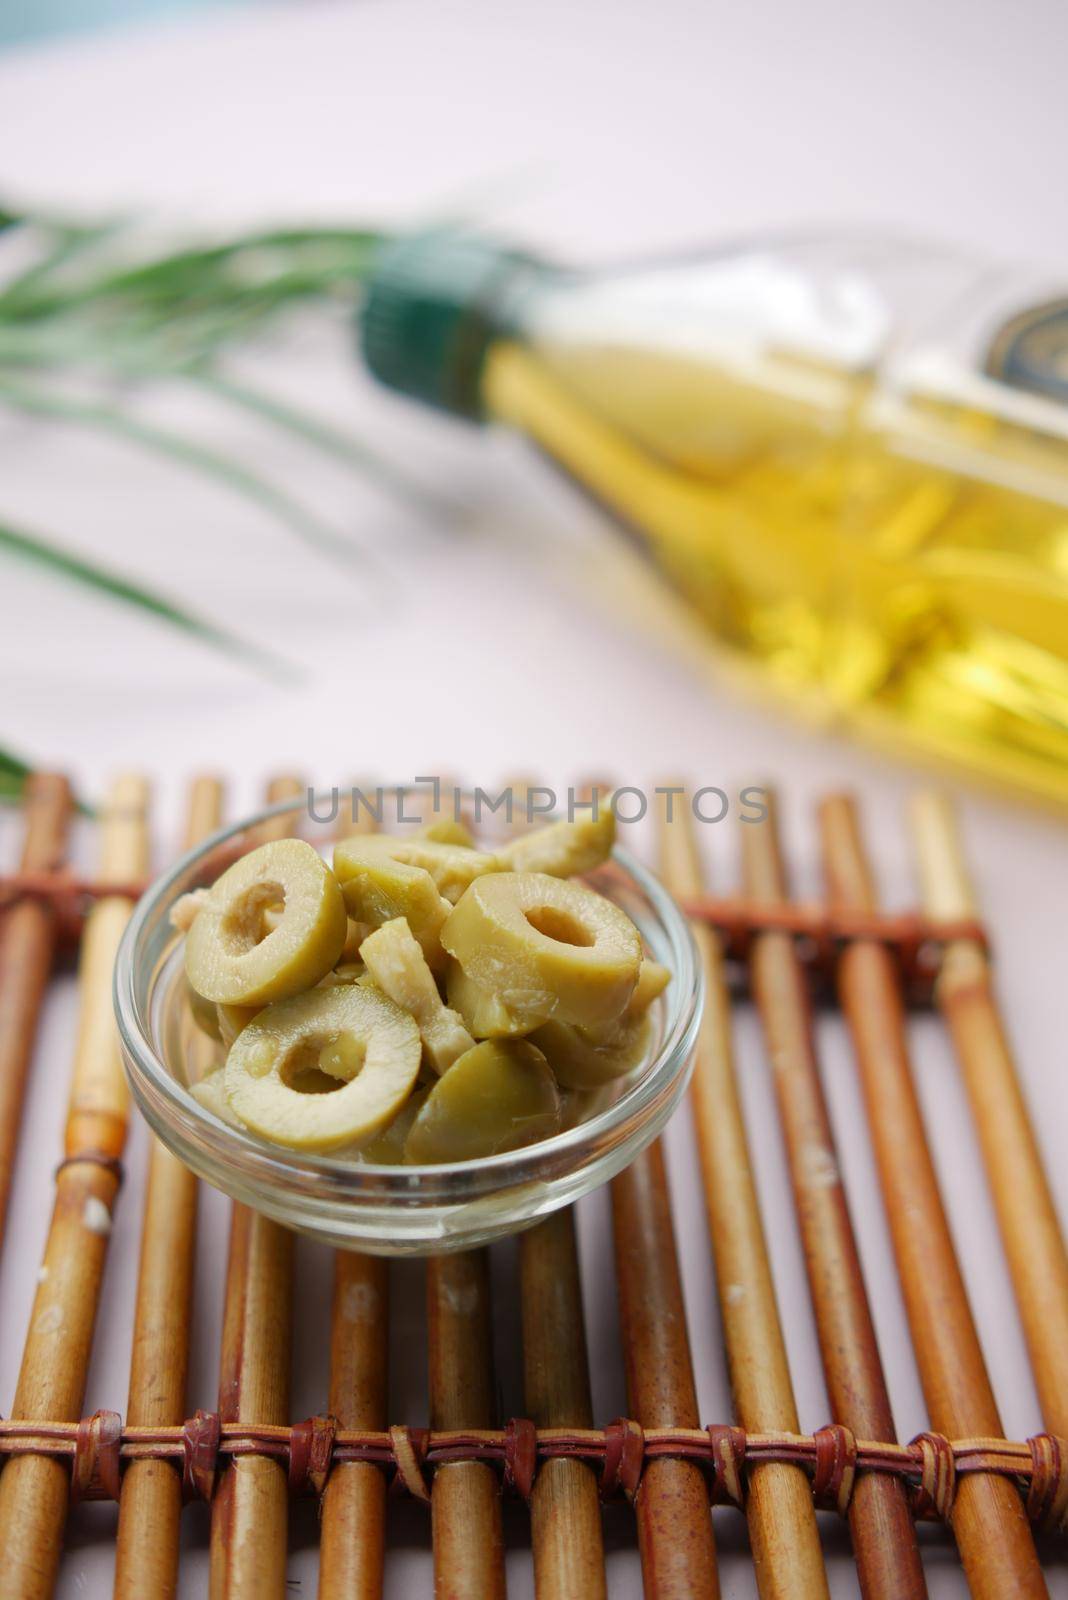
[{"x": 280, "y": 1429}]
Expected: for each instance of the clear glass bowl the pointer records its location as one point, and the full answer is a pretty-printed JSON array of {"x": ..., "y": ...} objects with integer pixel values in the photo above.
[{"x": 403, "y": 1210}]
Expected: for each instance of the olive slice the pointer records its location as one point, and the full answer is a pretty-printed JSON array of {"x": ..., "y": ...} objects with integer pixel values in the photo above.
[
  {"x": 328, "y": 1068},
  {"x": 204, "y": 1012},
  {"x": 451, "y": 866},
  {"x": 498, "y": 1096},
  {"x": 344, "y": 972},
  {"x": 272, "y": 925},
  {"x": 545, "y": 947},
  {"x": 484, "y": 1015},
  {"x": 586, "y": 1058},
  {"x": 563, "y": 848},
  {"x": 398, "y": 966},
  {"x": 580, "y": 1063},
  {"x": 386, "y": 1149},
  {"x": 377, "y": 888},
  {"x": 447, "y": 830},
  {"x": 233, "y": 1020},
  {"x": 209, "y": 1093}
]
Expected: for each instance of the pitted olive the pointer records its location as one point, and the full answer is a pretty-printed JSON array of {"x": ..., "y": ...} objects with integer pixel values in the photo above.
[
  {"x": 545, "y": 947},
  {"x": 496, "y": 1097},
  {"x": 234, "y": 956},
  {"x": 397, "y": 965},
  {"x": 328, "y": 1068}
]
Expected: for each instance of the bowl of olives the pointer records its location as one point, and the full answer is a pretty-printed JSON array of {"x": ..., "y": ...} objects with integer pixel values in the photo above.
[{"x": 413, "y": 1040}]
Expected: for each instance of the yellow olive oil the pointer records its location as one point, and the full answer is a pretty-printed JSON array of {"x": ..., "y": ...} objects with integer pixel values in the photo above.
[
  {"x": 898, "y": 562},
  {"x": 860, "y": 499}
]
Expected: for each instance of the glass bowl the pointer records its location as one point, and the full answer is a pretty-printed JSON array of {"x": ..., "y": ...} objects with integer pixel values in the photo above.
[{"x": 402, "y": 1210}]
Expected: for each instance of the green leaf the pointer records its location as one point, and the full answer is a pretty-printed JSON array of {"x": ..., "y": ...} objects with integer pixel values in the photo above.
[
  {"x": 31, "y": 548},
  {"x": 13, "y": 774},
  {"x": 68, "y": 243},
  {"x": 290, "y": 512},
  {"x": 277, "y": 266},
  {"x": 335, "y": 442}
]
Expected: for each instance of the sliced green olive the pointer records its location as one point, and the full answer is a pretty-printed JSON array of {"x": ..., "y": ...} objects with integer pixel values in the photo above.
[
  {"x": 498, "y": 1096},
  {"x": 203, "y": 1012},
  {"x": 355, "y": 935},
  {"x": 653, "y": 979},
  {"x": 484, "y": 1015},
  {"x": 209, "y": 1093},
  {"x": 344, "y": 972},
  {"x": 563, "y": 848},
  {"x": 586, "y": 1058},
  {"x": 233, "y": 1020},
  {"x": 451, "y": 866},
  {"x": 234, "y": 955},
  {"x": 386, "y": 1149},
  {"x": 398, "y": 966},
  {"x": 447, "y": 830},
  {"x": 579, "y": 1063},
  {"x": 378, "y": 888},
  {"x": 326, "y": 1069},
  {"x": 545, "y": 947}
]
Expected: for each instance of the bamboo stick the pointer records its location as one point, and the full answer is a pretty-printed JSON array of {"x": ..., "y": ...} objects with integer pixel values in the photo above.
[
  {"x": 987, "y": 1515},
  {"x": 1027, "y": 1216},
  {"x": 353, "y": 1543},
  {"x": 675, "y": 1538},
  {"x": 35, "y": 1490},
  {"x": 465, "y": 1502},
  {"x": 465, "y": 1498},
  {"x": 27, "y": 948},
  {"x": 884, "y": 1539},
  {"x": 678, "y": 1552},
  {"x": 150, "y": 1507},
  {"x": 782, "y": 1523},
  {"x": 250, "y": 1510},
  {"x": 565, "y": 1506},
  {"x": 352, "y": 1550}
]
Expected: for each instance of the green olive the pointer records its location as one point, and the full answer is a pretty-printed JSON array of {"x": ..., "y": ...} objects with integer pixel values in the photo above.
[
  {"x": 483, "y": 1014},
  {"x": 563, "y": 848},
  {"x": 209, "y": 1093},
  {"x": 204, "y": 1012},
  {"x": 344, "y": 972},
  {"x": 378, "y": 888},
  {"x": 355, "y": 935},
  {"x": 586, "y": 1058},
  {"x": 498, "y": 1096},
  {"x": 579, "y": 1063},
  {"x": 451, "y": 866},
  {"x": 326, "y": 1069},
  {"x": 545, "y": 947},
  {"x": 448, "y": 830},
  {"x": 398, "y": 966},
  {"x": 386, "y": 1149},
  {"x": 233, "y": 1019},
  {"x": 653, "y": 979},
  {"x": 232, "y": 955}
]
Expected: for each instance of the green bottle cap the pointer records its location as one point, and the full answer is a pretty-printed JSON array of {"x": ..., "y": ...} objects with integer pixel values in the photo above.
[{"x": 435, "y": 303}]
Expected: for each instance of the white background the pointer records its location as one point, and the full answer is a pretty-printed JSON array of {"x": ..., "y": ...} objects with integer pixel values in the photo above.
[{"x": 529, "y": 641}]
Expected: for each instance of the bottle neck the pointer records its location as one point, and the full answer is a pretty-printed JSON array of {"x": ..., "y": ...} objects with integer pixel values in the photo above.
[{"x": 436, "y": 305}]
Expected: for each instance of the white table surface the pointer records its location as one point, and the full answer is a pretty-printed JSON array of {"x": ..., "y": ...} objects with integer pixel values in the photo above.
[{"x": 591, "y": 131}]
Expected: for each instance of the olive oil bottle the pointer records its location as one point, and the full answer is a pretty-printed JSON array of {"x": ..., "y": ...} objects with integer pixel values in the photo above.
[{"x": 849, "y": 454}]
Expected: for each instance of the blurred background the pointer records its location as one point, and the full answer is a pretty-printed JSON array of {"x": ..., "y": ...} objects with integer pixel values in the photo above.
[
  {"x": 614, "y": 135},
  {"x": 224, "y": 546}
]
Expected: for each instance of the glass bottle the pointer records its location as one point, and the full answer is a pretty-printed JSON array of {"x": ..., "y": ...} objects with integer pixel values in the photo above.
[{"x": 850, "y": 454}]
